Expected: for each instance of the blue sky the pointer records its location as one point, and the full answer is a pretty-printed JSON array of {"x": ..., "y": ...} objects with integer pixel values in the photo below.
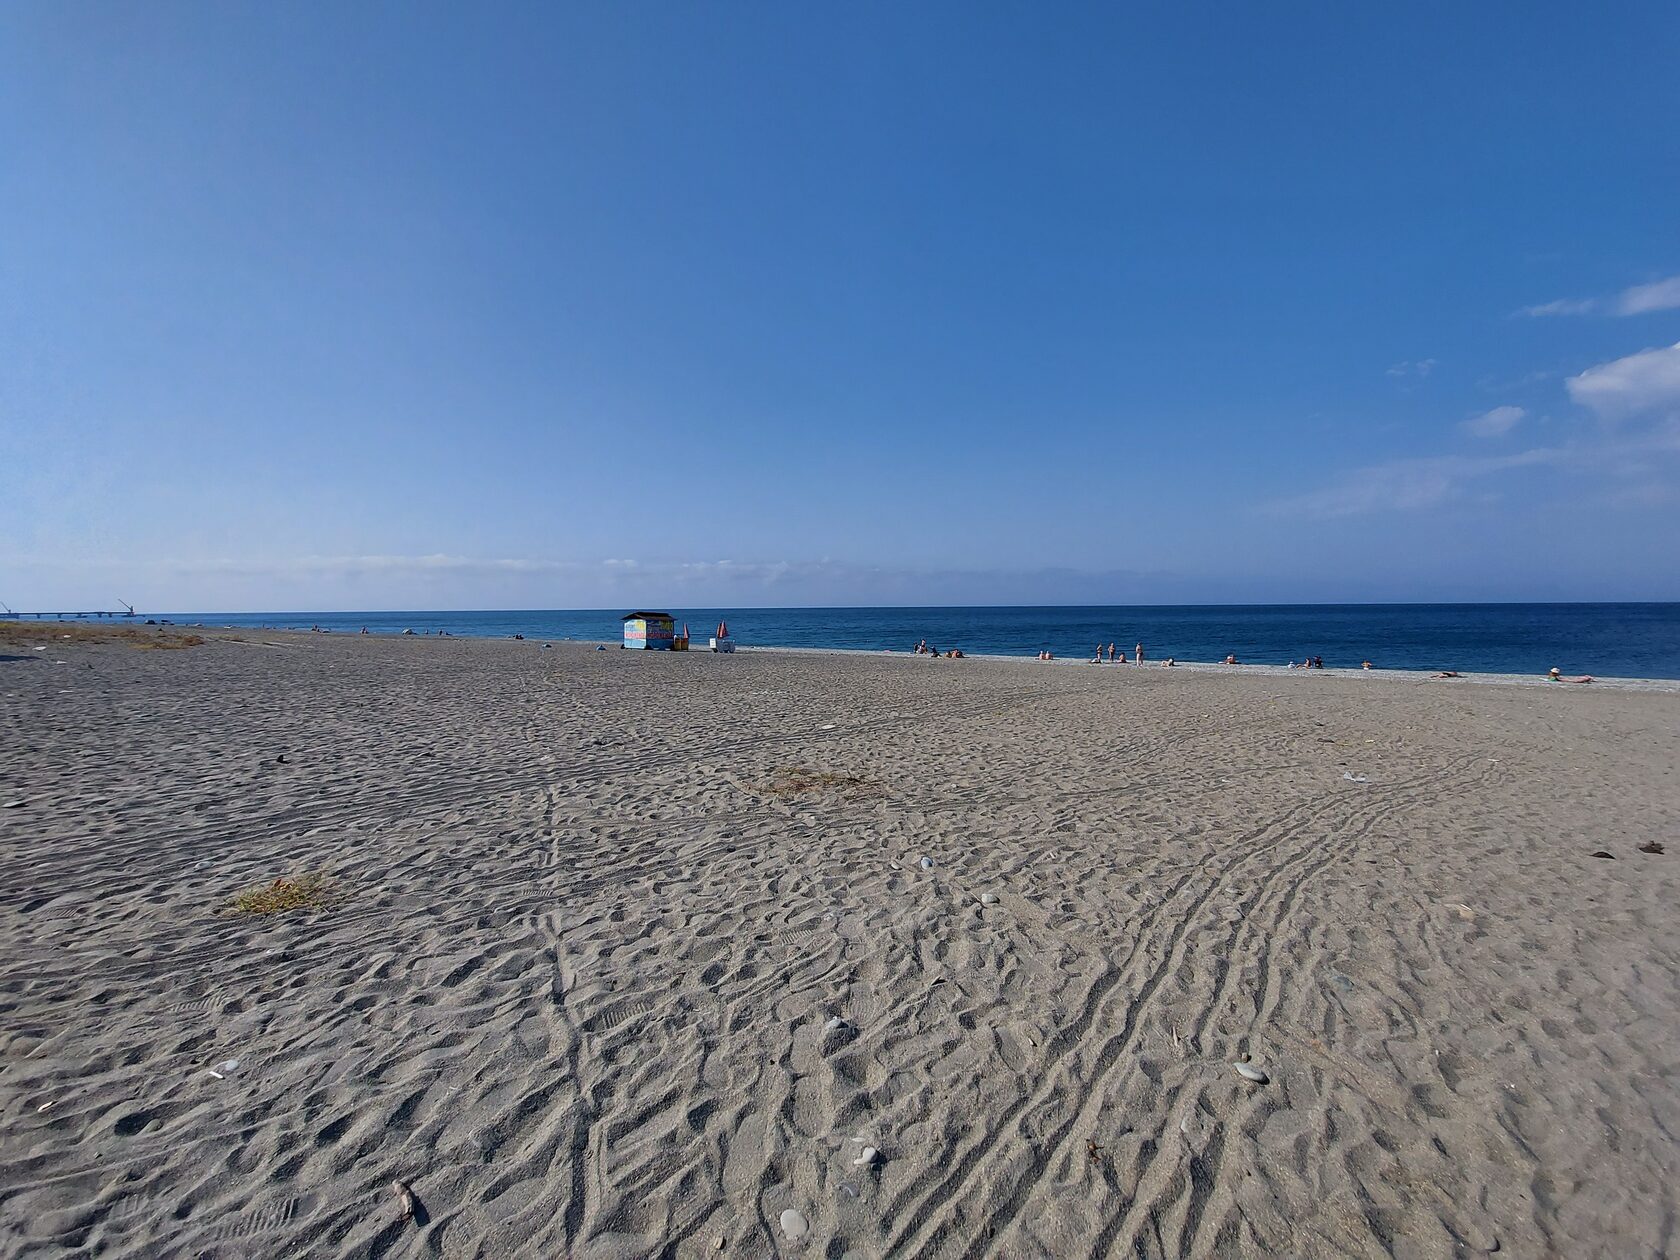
[{"x": 311, "y": 306}]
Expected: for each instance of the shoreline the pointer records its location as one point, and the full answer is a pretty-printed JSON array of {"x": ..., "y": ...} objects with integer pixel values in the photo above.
[
  {"x": 1484, "y": 678},
  {"x": 1659, "y": 685}
]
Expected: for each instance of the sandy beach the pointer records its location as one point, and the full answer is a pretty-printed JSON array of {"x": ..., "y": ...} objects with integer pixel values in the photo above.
[{"x": 615, "y": 954}]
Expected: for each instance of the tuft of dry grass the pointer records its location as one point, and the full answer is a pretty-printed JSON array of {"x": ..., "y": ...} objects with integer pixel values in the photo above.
[
  {"x": 52, "y": 633},
  {"x": 304, "y": 892},
  {"x": 786, "y": 781}
]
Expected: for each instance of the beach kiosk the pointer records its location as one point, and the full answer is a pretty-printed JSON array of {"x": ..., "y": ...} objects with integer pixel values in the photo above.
[{"x": 649, "y": 630}]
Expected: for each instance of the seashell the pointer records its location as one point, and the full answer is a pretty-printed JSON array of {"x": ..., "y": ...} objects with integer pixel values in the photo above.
[
  {"x": 14, "y": 804},
  {"x": 1251, "y": 1073},
  {"x": 849, "y": 1188},
  {"x": 988, "y": 899},
  {"x": 865, "y": 1157},
  {"x": 835, "y": 1023},
  {"x": 1351, "y": 777},
  {"x": 927, "y": 864},
  {"x": 828, "y": 727},
  {"x": 794, "y": 1225}
]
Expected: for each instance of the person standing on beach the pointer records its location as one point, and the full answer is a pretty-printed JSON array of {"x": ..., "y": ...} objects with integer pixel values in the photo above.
[{"x": 1138, "y": 657}]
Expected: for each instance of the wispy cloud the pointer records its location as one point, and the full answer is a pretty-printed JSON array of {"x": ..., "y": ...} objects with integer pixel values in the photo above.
[
  {"x": 609, "y": 570},
  {"x": 436, "y": 565},
  {"x": 1411, "y": 367},
  {"x": 1646, "y": 460},
  {"x": 1561, "y": 306},
  {"x": 1495, "y": 423},
  {"x": 1504, "y": 385},
  {"x": 1407, "y": 484},
  {"x": 1659, "y": 295},
  {"x": 1662, "y": 295},
  {"x": 1642, "y": 383},
  {"x": 455, "y": 581}
]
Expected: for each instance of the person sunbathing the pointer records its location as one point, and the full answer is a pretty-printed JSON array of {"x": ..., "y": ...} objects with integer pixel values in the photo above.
[
  {"x": 1231, "y": 658},
  {"x": 1557, "y": 675},
  {"x": 1447, "y": 673}
]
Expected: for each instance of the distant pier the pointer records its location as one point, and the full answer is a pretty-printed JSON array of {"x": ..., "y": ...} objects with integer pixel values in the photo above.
[{"x": 97, "y": 614}]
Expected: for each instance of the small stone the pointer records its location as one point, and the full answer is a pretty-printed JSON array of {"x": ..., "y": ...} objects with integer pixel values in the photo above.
[
  {"x": 1251, "y": 1073},
  {"x": 718, "y": 1243},
  {"x": 988, "y": 899},
  {"x": 927, "y": 864},
  {"x": 14, "y": 804},
  {"x": 865, "y": 1157},
  {"x": 794, "y": 1225}
]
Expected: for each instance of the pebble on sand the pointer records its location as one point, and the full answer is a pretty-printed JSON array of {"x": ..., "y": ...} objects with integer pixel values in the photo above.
[
  {"x": 405, "y": 1199},
  {"x": 866, "y": 1157},
  {"x": 1251, "y": 1073},
  {"x": 927, "y": 864},
  {"x": 988, "y": 899},
  {"x": 793, "y": 1224},
  {"x": 14, "y": 804}
]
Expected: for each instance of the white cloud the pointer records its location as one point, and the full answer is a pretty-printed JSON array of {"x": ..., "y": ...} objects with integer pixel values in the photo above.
[
  {"x": 1562, "y": 306},
  {"x": 1495, "y": 423},
  {"x": 1659, "y": 295},
  {"x": 1407, "y": 484},
  {"x": 1662, "y": 295},
  {"x": 1640, "y": 383},
  {"x": 1408, "y": 367},
  {"x": 1646, "y": 460}
]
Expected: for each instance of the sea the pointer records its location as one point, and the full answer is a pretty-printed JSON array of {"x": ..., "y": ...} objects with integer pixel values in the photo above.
[{"x": 1611, "y": 640}]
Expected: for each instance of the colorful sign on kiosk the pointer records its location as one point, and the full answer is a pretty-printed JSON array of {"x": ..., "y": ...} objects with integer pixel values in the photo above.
[{"x": 649, "y": 630}]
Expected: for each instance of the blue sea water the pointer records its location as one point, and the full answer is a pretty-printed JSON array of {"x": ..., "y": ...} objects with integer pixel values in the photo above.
[{"x": 1619, "y": 640}]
